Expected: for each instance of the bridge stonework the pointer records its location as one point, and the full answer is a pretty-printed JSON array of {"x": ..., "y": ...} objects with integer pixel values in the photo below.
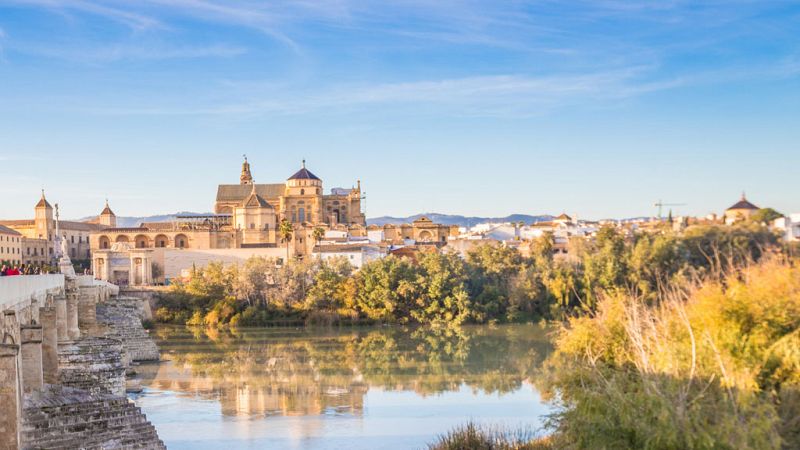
[{"x": 62, "y": 366}]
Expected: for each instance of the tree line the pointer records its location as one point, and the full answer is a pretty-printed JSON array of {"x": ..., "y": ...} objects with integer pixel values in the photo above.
[{"x": 491, "y": 283}]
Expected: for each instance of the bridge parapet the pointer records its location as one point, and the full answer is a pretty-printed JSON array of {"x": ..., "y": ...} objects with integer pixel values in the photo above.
[{"x": 16, "y": 292}]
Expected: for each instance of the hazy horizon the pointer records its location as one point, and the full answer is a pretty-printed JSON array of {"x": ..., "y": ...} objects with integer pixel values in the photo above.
[{"x": 598, "y": 109}]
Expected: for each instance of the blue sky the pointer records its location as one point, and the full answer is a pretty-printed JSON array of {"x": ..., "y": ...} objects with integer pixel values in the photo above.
[{"x": 596, "y": 108}]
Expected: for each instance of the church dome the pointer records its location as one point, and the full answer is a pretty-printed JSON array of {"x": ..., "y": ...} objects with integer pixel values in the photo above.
[
  {"x": 304, "y": 174},
  {"x": 742, "y": 204}
]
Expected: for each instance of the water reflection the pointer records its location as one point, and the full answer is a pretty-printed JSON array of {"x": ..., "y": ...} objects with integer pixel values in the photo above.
[
  {"x": 350, "y": 389},
  {"x": 290, "y": 372}
]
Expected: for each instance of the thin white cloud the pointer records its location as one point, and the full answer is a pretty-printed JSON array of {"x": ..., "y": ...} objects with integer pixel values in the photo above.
[
  {"x": 120, "y": 52},
  {"x": 121, "y": 15},
  {"x": 500, "y": 95}
]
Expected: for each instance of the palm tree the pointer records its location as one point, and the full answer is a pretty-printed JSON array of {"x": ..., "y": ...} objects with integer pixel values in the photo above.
[
  {"x": 318, "y": 234},
  {"x": 286, "y": 231}
]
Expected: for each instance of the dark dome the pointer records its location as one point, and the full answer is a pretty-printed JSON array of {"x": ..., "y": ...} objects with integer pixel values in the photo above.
[{"x": 304, "y": 174}]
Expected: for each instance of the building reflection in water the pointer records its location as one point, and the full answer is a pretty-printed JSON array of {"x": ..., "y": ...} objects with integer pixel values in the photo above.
[{"x": 291, "y": 372}]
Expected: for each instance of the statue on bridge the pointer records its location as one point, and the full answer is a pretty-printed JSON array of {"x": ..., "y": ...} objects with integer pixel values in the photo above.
[{"x": 64, "y": 263}]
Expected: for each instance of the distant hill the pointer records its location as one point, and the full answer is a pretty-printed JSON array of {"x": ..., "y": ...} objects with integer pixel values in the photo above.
[
  {"x": 462, "y": 221},
  {"x": 447, "y": 219}
]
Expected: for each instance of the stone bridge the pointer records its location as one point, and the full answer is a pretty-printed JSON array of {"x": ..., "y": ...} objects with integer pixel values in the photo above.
[{"x": 66, "y": 344}]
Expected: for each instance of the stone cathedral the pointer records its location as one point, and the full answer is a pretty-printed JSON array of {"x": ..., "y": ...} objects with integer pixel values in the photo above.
[{"x": 300, "y": 200}]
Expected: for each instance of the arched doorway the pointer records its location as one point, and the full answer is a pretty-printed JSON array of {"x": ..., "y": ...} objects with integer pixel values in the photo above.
[
  {"x": 122, "y": 238},
  {"x": 161, "y": 241},
  {"x": 104, "y": 242},
  {"x": 181, "y": 241},
  {"x": 141, "y": 241}
]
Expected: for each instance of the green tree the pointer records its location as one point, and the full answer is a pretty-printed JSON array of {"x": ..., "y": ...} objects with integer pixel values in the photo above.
[
  {"x": 443, "y": 298},
  {"x": 318, "y": 234},
  {"x": 286, "y": 231},
  {"x": 605, "y": 265},
  {"x": 765, "y": 216},
  {"x": 384, "y": 289},
  {"x": 325, "y": 293}
]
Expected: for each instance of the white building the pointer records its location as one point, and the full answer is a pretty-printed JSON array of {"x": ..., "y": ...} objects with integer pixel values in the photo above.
[
  {"x": 789, "y": 226},
  {"x": 357, "y": 254}
]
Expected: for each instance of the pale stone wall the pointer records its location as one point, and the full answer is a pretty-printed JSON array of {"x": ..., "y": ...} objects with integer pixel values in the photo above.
[
  {"x": 175, "y": 261},
  {"x": 17, "y": 291}
]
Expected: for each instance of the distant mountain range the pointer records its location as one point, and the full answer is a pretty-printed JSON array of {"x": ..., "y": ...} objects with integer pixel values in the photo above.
[
  {"x": 462, "y": 221},
  {"x": 132, "y": 222},
  {"x": 447, "y": 219}
]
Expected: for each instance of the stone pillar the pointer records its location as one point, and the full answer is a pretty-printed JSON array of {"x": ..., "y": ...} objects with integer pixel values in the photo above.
[
  {"x": 31, "y": 356},
  {"x": 72, "y": 316},
  {"x": 10, "y": 326},
  {"x": 87, "y": 310},
  {"x": 47, "y": 318},
  {"x": 132, "y": 273},
  {"x": 61, "y": 318},
  {"x": 147, "y": 270},
  {"x": 9, "y": 396}
]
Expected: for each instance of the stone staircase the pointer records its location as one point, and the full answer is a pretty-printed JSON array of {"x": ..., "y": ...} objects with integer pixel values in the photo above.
[
  {"x": 122, "y": 317},
  {"x": 92, "y": 364},
  {"x": 62, "y": 417}
]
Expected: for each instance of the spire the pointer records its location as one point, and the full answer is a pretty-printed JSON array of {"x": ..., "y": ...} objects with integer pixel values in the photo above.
[
  {"x": 43, "y": 202},
  {"x": 744, "y": 197},
  {"x": 245, "y": 177},
  {"x": 304, "y": 163},
  {"x": 107, "y": 210}
]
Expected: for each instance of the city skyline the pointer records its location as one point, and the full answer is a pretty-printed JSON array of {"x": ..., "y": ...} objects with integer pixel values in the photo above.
[{"x": 458, "y": 108}]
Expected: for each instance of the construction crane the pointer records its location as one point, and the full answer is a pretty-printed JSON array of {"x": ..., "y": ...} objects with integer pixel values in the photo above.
[{"x": 660, "y": 205}]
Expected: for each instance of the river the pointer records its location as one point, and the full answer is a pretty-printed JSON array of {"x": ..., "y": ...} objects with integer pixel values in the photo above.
[{"x": 365, "y": 388}]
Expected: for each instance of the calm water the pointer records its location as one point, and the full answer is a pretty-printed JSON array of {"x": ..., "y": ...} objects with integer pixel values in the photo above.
[{"x": 286, "y": 388}]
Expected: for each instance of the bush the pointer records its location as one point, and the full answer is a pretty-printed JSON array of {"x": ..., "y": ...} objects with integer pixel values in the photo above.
[
  {"x": 714, "y": 368},
  {"x": 475, "y": 437}
]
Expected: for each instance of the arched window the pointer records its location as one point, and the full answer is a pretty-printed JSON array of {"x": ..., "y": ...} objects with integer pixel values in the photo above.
[
  {"x": 301, "y": 214},
  {"x": 302, "y": 192}
]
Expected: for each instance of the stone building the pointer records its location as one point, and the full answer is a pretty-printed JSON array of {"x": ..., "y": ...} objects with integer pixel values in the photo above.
[
  {"x": 39, "y": 234},
  {"x": 739, "y": 211},
  {"x": 246, "y": 222},
  {"x": 10, "y": 246},
  {"x": 420, "y": 231},
  {"x": 300, "y": 199}
]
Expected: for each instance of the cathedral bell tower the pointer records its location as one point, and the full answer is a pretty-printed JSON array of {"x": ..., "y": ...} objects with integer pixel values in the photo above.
[{"x": 245, "y": 177}]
